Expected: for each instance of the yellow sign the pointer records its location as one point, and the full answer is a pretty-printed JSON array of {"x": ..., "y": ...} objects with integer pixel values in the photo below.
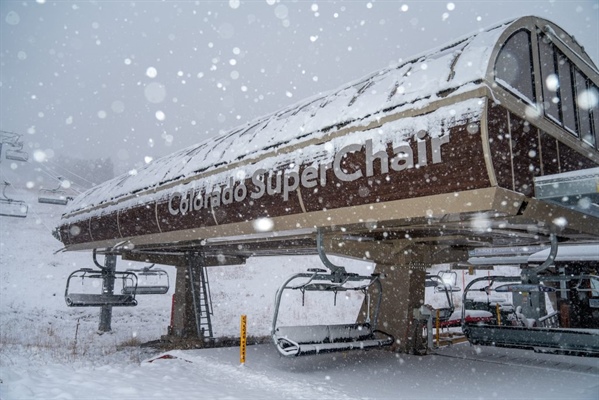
[
  {"x": 242, "y": 338},
  {"x": 498, "y": 312}
]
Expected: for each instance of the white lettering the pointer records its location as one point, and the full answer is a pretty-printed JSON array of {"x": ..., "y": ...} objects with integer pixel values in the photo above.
[
  {"x": 240, "y": 192},
  {"x": 370, "y": 157},
  {"x": 197, "y": 201},
  {"x": 404, "y": 158},
  {"x": 323, "y": 174},
  {"x": 172, "y": 210},
  {"x": 339, "y": 173},
  {"x": 309, "y": 177},
  {"x": 258, "y": 182},
  {"x": 287, "y": 187},
  {"x": 277, "y": 189},
  {"x": 285, "y": 182},
  {"x": 214, "y": 199},
  {"x": 422, "y": 158},
  {"x": 436, "y": 143},
  {"x": 227, "y": 197},
  {"x": 184, "y": 205}
]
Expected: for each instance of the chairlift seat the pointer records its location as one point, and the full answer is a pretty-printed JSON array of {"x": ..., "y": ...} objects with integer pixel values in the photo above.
[
  {"x": 59, "y": 201},
  {"x": 53, "y": 198},
  {"x": 323, "y": 287},
  {"x": 13, "y": 208},
  {"x": 144, "y": 282},
  {"x": 293, "y": 341},
  {"x": 313, "y": 339},
  {"x": 546, "y": 336},
  {"x": 16, "y": 155},
  {"x": 145, "y": 289},
  {"x": 444, "y": 313},
  {"x": 582, "y": 341},
  {"x": 83, "y": 298},
  {"x": 10, "y": 207},
  {"x": 521, "y": 287},
  {"x": 441, "y": 289},
  {"x": 98, "y": 300}
]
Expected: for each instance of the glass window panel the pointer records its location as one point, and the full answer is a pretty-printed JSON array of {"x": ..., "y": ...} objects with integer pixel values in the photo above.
[
  {"x": 595, "y": 113},
  {"x": 584, "y": 105},
  {"x": 567, "y": 93},
  {"x": 513, "y": 68},
  {"x": 550, "y": 80}
]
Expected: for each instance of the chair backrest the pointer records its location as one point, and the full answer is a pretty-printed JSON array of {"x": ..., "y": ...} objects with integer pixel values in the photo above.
[{"x": 325, "y": 333}]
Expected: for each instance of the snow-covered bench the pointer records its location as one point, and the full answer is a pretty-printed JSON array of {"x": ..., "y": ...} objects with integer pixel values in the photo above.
[
  {"x": 313, "y": 339},
  {"x": 97, "y": 300}
]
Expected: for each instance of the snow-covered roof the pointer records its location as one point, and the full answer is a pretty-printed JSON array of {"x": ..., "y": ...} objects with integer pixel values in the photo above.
[{"x": 454, "y": 69}]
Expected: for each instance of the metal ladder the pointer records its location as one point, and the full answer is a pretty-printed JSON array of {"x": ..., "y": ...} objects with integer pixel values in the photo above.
[{"x": 202, "y": 300}]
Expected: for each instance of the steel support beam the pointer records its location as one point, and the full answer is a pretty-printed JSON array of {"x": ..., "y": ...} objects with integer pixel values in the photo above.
[{"x": 107, "y": 288}]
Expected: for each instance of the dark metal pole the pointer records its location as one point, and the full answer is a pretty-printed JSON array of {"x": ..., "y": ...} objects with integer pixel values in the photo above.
[{"x": 107, "y": 289}]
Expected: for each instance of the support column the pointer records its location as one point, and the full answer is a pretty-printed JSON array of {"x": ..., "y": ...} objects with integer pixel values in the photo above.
[
  {"x": 402, "y": 266},
  {"x": 181, "y": 308},
  {"x": 187, "y": 312},
  {"x": 108, "y": 289},
  {"x": 403, "y": 271},
  {"x": 403, "y": 292}
]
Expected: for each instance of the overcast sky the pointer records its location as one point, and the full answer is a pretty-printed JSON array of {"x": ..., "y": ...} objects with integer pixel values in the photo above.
[{"x": 136, "y": 80}]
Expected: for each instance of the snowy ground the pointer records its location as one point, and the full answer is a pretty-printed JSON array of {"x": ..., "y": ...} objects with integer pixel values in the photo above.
[{"x": 40, "y": 358}]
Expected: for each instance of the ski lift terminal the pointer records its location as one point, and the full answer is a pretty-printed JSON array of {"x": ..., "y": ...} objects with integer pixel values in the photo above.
[{"x": 405, "y": 179}]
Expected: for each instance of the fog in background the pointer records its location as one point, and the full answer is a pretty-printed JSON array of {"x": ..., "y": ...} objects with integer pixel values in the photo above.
[{"x": 137, "y": 80}]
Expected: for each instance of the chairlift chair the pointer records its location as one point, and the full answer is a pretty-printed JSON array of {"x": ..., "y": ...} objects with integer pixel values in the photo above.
[
  {"x": 17, "y": 155},
  {"x": 10, "y": 207},
  {"x": 86, "y": 288},
  {"x": 510, "y": 328},
  {"x": 293, "y": 341},
  {"x": 149, "y": 281},
  {"x": 444, "y": 282},
  {"x": 428, "y": 316},
  {"x": 449, "y": 279},
  {"x": 54, "y": 196}
]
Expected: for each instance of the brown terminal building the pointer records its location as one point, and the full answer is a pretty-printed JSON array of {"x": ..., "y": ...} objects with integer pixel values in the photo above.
[{"x": 414, "y": 165}]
